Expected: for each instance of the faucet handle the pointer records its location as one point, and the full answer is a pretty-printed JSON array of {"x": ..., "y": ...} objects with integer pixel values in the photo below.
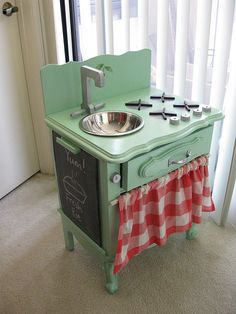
[
  {"x": 99, "y": 106},
  {"x": 93, "y": 108},
  {"x": 77, "y": 113}
]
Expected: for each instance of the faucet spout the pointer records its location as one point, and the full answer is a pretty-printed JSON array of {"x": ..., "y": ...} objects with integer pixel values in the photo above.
[{"x": 88, "y": 73}]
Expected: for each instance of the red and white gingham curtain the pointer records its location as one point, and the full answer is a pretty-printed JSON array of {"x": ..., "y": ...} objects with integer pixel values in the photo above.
[{"x": 151, "y": 213}]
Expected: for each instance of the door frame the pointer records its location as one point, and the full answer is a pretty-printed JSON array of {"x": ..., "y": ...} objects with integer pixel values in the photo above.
[{"x": 36, "y": 27}]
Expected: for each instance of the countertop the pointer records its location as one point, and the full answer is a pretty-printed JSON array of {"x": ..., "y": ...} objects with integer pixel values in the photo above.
[{"x": 156, "y": 131}]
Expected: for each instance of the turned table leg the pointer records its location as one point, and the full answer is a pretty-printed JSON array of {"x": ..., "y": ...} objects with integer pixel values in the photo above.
[
  {"x": 111, "y": 278},
  {"x": 192, "y": 232},
  {"x": 68, "y": 237}
]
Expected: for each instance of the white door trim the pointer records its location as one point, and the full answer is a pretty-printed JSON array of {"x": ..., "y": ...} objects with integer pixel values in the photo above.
[
  {"x": 222, "y": 210},
  {"x": 35, "y": 55}
]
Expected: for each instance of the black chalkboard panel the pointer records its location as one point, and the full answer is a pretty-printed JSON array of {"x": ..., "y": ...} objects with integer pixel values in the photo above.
[{"x": 78, "y": 188}]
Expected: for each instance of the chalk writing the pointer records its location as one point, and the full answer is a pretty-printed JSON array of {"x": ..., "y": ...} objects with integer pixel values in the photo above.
[
  {"x": 77, "y": 210},
  {"x": 73, "y": 188},
  {"x": 81, "y": 166}
]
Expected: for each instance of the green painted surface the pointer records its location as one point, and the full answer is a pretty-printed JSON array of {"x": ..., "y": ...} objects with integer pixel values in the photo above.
[
  {"x": 156, "y": 131},
  {"x": 154, "y": 164},
  {"x": 62, "y": 83},
  {"x": 109, "y": 214},
  {"x": 192, "y": 233},
  {"x": 129, "y": 80},
  {"x": 111, "y": 279},
  {"x": 139, "y": 157},
  {"x": 70, "y": 227},
  {"x": 68, "y": 145}
]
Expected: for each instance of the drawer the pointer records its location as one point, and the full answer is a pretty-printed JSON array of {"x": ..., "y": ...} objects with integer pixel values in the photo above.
[{"x": 163, "y": 159}]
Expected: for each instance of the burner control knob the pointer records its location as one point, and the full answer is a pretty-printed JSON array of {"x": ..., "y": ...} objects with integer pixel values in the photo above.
[
  {"x": 174, "y": 120},
  {"x": 206, "y": 108},
  {"x": 115, "y": 178},
  {"x": 185, "y": 117},
  {"x": 197, "y": 112}
]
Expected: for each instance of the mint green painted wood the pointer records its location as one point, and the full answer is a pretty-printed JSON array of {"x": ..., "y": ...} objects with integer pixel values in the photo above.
[
  {"x": 68, "y": 237},
  {"x": 138, "y": 158},
  {"x": 109, "y": 219},
  {"x": 109, "y": 214},
  {"x": 192, "y": 232},
  {"x": 68, "y": 145},
  {"x": 111, "y": 279},
  {"x": 109, "y": 225},
  {"x": 62, "y": 83},
  {"x": 83, "y": 239},
  {"x": 148, "y": 169},
  {"x": 152, "y": 165},
  {"x": 156, "y": 131}
]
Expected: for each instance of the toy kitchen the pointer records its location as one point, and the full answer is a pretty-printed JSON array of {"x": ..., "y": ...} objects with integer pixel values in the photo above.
[{"x": 131, "y": 162}]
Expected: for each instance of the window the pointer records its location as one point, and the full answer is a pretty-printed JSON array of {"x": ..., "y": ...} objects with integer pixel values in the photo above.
[{"x": 86, "y": 16}]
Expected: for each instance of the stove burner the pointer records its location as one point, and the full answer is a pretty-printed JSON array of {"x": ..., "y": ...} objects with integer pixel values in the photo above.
[
  {"x": 138, "y": 103},
  {"x": 163, "y": 113},
  {"x": 186, "y": 106},
  {"x": 163, "y": 97}
]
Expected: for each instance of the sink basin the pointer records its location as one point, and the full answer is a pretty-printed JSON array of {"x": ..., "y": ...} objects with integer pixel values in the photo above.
[{"x": 111, "y": 123}]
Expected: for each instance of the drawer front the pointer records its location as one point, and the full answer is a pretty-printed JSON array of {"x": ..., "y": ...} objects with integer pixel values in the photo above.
[{"x": 165, "y": 159}]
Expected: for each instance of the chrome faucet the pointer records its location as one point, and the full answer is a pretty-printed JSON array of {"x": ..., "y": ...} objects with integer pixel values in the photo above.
[{"x": 88, "y": 73}]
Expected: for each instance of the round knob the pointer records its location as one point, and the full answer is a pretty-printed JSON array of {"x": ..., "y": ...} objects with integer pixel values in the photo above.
[
  {"x": 174, "y": 120},
  {"x": 185, "y": 117},
  {"x": 8, "y": 9},
  {"x": 197, "y": 112},
  {"x": 115, "y": 178},
  {"x": 206, "y": 108}
]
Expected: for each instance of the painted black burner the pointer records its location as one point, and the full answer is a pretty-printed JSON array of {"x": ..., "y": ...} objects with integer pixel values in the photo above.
[
  {"x": 163, "y": 113},
  {"x": 163, "y": 97},
  {"x": 138, "y": 103},
  {"x": 186, "y": 106}
]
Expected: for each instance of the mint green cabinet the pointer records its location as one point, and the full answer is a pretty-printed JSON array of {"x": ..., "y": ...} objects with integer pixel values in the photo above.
[{"x": 138, "y": 158}]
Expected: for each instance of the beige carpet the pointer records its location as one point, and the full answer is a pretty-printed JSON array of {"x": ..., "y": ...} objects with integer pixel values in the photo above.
[{"x": 37, "y": 274}]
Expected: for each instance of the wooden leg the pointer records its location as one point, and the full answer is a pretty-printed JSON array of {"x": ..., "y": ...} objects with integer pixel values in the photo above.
[
  {"x": 192, "y": 232},
  {"x": 69, "y": 240},
  {"x": 111, "y": 279}
]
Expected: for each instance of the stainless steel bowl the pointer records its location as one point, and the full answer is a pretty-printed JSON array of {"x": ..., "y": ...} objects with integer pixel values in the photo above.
[{"x": 111, "y": 123}]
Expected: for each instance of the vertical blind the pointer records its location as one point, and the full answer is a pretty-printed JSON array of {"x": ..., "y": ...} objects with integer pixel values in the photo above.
[
  {"x": 183, "y": 8},
  {"x": 125, "y": 14},
  {"x": 149, "y": 27},
  {"x": 109, "y": 26},
  {"x": 161, "y": 43},
  {"x": 201, "y": 49},
  {"x": 143, "y": 23},
  {"x": 224, "y": 29},
  {"x": 100, "y": 27}
]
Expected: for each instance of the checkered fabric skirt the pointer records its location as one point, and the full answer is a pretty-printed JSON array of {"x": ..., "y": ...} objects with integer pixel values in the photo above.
[{"x": 151, "y": 213}]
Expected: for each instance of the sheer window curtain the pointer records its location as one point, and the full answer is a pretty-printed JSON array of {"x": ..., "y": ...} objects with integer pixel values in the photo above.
[{"x": 193, "y": 44}]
